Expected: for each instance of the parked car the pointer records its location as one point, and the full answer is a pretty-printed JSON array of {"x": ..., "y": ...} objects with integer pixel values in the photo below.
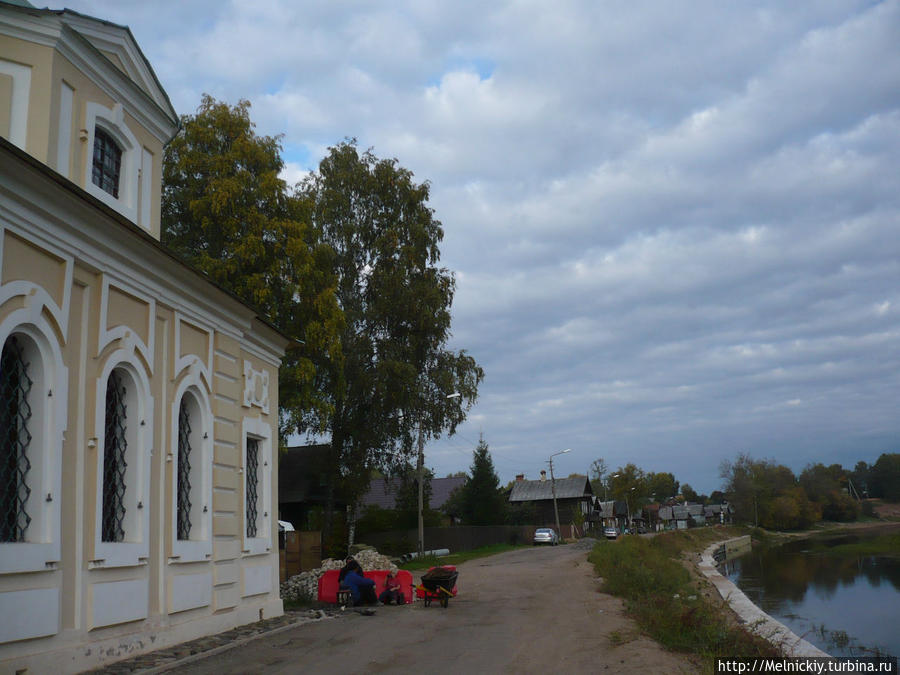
[
  {"x": 545, "y": 535},
  {"x": 610, "y": 532}
]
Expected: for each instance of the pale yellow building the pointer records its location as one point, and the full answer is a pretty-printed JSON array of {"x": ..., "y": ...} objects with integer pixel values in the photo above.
[{"x": 138, "y": 401}]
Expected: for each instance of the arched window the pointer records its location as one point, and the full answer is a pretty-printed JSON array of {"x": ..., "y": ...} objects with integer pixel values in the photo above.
[
  {"x": 32, "y": 409},
  {"x": 115, "y": 463},
  {"x": 190, "y": 510},
  {"x": 123, "y": 467},
  {"x": 107, "y": 162},
  {"x": 190, "y": 494},
  {"x": 16, "y": 450}
]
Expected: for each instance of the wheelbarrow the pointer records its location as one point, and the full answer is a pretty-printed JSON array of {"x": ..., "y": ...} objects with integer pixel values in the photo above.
[{"x": 438, "y": 583}]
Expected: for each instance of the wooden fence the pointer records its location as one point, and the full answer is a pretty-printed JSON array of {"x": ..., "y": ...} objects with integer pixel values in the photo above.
[{"x": 300, "y": 551}]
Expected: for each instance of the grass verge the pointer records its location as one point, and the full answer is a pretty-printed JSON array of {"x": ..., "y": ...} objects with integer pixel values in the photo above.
[
  {"x": 457, "y": 558},
  {"x": 664, "y": 600}
]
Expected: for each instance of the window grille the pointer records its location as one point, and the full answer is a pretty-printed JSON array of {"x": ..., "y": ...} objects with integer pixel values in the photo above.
[
  {"x": 184, "y": 471},
  {"x": 15, "y": 413},
  {"x": 107, "y": 162},
  {"x": 252, "y": 473},
  {"x": 114, "y": 465}
]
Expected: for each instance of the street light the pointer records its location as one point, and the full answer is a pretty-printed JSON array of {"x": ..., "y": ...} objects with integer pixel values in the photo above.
[
  {"x": 553, "y": 489},
  {"x": 420, "y": 468}
]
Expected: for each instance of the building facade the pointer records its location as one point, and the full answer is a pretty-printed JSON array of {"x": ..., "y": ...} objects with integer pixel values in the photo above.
[{"x": 138, "y": 402}]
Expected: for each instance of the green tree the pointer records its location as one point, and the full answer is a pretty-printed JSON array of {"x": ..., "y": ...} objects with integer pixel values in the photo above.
[
  {"x": 227, "y": 213},
  {"x": 629, "y": 483},
  {"x": 483, "y": 501},
  {"x": 389, "y": 391},
  {"x": 885, "y": 477},
  {"x": 753, "y": 486},
  {"x": 663, "y": 485},
  {"x": 689, "y": 494}
]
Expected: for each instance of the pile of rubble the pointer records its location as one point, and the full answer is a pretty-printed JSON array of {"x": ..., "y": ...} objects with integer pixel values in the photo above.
[{"x": 305, "y": 586}]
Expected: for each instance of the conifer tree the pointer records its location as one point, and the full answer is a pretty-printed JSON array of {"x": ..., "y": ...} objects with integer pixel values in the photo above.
[{"x": 483, "y": 502}]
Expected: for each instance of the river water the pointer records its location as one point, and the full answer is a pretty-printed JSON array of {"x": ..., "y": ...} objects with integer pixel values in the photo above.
[{"x": 845, "y": 604}]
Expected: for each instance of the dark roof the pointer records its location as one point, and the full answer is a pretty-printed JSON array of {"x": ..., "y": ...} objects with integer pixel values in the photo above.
[
  {"x": 383, "y": 492},
  {"x": 300, "y": 471},
  {"x": 539, "y": 490}
]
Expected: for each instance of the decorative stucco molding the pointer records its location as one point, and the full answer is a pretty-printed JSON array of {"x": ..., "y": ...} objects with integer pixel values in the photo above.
[{"x": 256, "y": 387}]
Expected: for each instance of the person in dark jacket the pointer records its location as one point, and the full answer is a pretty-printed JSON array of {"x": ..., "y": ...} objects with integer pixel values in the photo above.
[{"x": 351, "y": 577}]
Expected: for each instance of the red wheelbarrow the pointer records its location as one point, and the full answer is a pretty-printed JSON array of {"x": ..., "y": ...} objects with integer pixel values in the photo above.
[{"x": 438, "y": 583}]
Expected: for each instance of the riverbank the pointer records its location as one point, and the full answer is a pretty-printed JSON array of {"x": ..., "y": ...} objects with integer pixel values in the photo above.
[
  {"x": 669, "y": 600},
  {"x": 755, "y": 619},
  {"x": 881, "y": 538}
]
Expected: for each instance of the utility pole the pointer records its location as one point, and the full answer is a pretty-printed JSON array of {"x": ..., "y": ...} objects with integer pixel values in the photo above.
[
  {"x": 420, "y": 470},
  {"x": 553, "y": 490}
]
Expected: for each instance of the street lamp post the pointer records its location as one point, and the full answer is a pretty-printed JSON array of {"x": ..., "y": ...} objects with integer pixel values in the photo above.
[
  {"x": 553, "y": 489},
  {"x": 420, "y": 470},
  {"x": 615, "y": 517}
]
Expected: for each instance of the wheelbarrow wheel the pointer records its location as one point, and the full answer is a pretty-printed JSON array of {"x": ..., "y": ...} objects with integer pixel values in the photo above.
[
  {"x": 427, "y": 601},
  {"x": 445, "y": 602}
]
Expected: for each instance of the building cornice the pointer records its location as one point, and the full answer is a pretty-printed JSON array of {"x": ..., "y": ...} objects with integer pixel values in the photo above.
[{"x": 105, "y": 242}]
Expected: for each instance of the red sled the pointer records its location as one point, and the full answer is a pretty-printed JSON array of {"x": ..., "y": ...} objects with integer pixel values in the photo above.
[{"x": 438, "y": 583}]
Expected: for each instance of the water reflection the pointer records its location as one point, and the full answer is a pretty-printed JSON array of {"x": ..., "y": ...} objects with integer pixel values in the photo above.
[{"x": 844, "y": 604}]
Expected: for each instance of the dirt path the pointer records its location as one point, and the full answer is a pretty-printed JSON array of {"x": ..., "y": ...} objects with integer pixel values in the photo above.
[{"x": 527, "y": 611}]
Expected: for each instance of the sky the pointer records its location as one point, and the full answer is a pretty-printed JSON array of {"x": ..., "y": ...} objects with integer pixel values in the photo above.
[{"x": 674, "y": 226}]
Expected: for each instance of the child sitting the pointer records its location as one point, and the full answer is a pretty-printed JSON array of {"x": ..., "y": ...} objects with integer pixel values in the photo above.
[{"x": 392, "y": 591}]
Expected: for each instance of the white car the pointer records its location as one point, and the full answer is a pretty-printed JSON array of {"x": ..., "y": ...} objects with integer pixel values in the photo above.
[
  {"x": 546, "y": 535},
  {"x": 610, "y": 532}
]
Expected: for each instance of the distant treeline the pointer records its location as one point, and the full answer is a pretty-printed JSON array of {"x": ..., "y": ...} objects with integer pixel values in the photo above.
[{"x": 768, "y": 494}]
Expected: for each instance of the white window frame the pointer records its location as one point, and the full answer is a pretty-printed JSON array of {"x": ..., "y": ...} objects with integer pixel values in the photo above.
[
  {"x": 260, "y": 431},
  {"x": 21, "y": 93},
  {"x": 135, "y": 549},
  {"x": 41, "y": 550},
  {"x": 112, "y": 121},
  {"x": 199, "y": 546}
]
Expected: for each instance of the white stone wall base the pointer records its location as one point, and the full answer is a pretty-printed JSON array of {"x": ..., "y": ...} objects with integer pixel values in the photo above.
[
  {"x": 74, "y": 652},
  {"x": 756, "y": 620}
]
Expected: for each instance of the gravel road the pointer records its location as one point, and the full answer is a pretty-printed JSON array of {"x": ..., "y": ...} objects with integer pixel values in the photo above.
[{"x": 527, "y": 611}]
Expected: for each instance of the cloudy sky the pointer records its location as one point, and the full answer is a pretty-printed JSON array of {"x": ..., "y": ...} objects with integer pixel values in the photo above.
[{"x": 674, "y": 226}]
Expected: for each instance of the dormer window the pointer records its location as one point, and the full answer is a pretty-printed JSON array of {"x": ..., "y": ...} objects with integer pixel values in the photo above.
[{"x": 107, "y": 162}]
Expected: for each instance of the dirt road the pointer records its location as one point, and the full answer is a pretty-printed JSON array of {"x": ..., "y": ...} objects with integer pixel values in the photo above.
[{"x": 527, "y": 611}]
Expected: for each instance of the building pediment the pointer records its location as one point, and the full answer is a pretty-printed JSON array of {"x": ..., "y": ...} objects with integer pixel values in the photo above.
[{"x": 106, "y": 52}]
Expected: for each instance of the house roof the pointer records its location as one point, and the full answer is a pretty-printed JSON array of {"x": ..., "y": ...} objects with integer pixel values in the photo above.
[
  {"x": 382, "y": 492},
  {"x": 539, "y": 490},
  {"x": 606, "y": 509}
]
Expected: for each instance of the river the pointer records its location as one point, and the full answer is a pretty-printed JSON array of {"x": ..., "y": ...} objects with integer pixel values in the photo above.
[{"x": 839, "y": 592}]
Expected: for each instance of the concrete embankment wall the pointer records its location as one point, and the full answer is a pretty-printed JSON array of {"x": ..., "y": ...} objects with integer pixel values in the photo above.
[{"x": 757, "y": 620}]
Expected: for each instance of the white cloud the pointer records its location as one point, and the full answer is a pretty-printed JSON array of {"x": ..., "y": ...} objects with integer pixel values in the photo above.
[{"x": 673, "y": 230}]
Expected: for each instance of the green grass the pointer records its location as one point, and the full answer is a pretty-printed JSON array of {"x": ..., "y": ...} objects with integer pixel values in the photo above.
[
  {"x": 881, "y": 545},
  {"x": 664, "y": 601},
  {"x": 457, "y": 558}
]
